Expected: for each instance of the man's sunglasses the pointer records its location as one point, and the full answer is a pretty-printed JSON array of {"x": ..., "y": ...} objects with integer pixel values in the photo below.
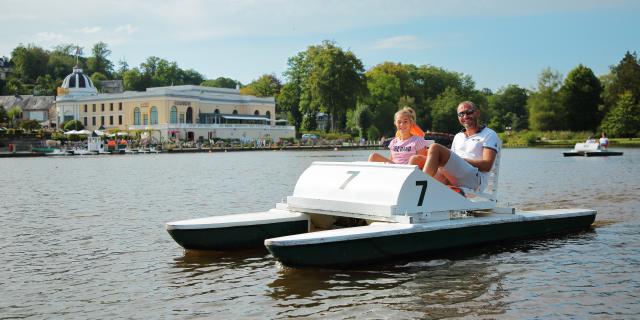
[{"x": 468, "y": 113}]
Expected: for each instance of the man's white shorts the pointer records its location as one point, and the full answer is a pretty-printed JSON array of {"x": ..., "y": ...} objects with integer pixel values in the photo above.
[{"x": 462, "y": 174}]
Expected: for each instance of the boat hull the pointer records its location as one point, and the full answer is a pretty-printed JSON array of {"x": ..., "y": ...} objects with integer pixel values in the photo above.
[
  {"x": 236, "y": 232},
  {"x": 592, "y": 154},
  {"x": 415, "y": 241}
]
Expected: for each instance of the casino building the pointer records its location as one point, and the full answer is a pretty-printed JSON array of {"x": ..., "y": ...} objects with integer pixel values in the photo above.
[{"x": 185, "y": 112}]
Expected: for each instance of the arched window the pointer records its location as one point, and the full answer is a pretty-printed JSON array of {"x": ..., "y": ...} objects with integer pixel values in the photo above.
[
  {"x": 217, "y": 111},
  {"x": 189, "y": 115},
  {"x": 235, "y": 111},
  {"x": 256, "y": 113},
  {"x": 154, "y": 115},
  {"x": 174, "y": 115},
  {"x": 136, "y": 116},
  {"x": 268, "y": 114}
]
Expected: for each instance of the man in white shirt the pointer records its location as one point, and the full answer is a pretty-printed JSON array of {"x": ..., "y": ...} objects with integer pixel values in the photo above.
[
  {"x": 604, "y": 141},
  {"x": 472, "y": 155}
]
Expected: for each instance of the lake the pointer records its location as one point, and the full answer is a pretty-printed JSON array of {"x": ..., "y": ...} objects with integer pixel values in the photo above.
[{"x": 84, "y": 237}]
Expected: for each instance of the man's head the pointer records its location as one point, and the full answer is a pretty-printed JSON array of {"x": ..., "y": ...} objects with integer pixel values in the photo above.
[{"x": 468, "y": 114}]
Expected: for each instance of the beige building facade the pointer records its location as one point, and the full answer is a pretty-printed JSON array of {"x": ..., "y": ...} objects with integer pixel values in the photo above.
[{"x": 185, "y": 112}]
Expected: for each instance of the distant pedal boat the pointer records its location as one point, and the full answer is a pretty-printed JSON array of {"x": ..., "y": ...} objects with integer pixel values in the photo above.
[
  {"x": 398, "y": 211},
  {"x": 590, "y": 149}
]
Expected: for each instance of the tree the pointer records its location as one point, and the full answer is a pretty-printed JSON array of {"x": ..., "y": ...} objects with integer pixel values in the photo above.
[
  {"x": 444, "y": 111},
  {"x": 15, "y": 86},
  {"x": 99, "y": 61},
  {"x": 508, "y": 108},
  {"x": 45, "y": 86},
  {"x": 384, "y": 95},
  {"x": 363, "y": 119},
  {"x": 29, "y": 62},
  {"x": 266, "y": 85},
  {"x": 626, "y": 78},
  {"x": 221, "y": 82},
  {"x": 14, "y": 113},
  {"x": 72, "y": 125},
  {"x": 333, "y": 82},
  {"x": 546, "y": 111},
  {"x": 96, "y": 77},
  {"x": 30, "y": 125},
  {"x": 580, "y": 95},
  {"x": 288, "y": 102},
  {"x": 4, "y": 118},
  {"x": 132, "y": 80},
  {"x": 624, "y": 119},
  {"x": 191, "y": 76},
  {"x": 61, "y": 61}
]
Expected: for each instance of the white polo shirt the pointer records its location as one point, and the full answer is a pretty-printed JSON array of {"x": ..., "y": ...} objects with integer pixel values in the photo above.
[{"x": 471, "y": 147}]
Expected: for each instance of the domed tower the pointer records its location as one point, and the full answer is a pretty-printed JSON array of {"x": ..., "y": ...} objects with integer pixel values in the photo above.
[{"x": 77, "y": 84}]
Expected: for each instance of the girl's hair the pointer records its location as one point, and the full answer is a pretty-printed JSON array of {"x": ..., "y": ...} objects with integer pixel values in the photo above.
[{"x": 406, "y": 111}]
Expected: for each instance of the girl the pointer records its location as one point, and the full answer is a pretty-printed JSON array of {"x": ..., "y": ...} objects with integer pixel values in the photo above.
[{"x": 409, "y": 140}]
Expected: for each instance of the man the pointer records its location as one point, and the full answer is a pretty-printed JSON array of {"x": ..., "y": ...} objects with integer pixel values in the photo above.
[{"x": 472, "y": 155}]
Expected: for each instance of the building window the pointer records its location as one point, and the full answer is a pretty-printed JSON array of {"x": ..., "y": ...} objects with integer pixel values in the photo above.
[
  {"x": 120, "y": 106},
  {"x": 102, "y": 120},
  {"x": 94, "y": 107},
  {"x": 93, "y": 121},
  {"x": 174, "y": 115},
  {"x": 85, "y": 120},
  {"x": 120, "y": 119},
  {"x": 154, "y": 115},
  {"x": 182, "y": 118},
  {"x": 85, "y": 108},
  {"x": 235, "y": 111},
  {"x": 102, "y": 107},
  {"x": 111, "y": 106},
  {"x": 256, "y": 113},
  {"x": 136, "y": 116},
  {"x": 145, "y": 119},
  {"x": 189, "y": 115},
  {"x": 268, "y": 115},
  {"x": 110, "y": 120}
]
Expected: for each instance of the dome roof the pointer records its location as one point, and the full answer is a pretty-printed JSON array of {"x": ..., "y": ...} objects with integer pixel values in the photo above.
[{"x": 77, "y": 80}]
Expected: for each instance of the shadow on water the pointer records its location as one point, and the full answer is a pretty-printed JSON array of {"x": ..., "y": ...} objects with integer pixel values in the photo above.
[{"x": 193, "y": 260}]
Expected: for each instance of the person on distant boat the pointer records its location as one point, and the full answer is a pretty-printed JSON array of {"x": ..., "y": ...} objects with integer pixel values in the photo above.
[
  {"x": 604, "y": 141},
  {"x": 590, "y": 139},
  {"x": 409, "y": 140},
  {"x": 472, "y": 154}
]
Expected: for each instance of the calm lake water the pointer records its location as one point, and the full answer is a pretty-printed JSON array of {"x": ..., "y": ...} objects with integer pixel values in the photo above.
[{"x": 84, "y": 238}]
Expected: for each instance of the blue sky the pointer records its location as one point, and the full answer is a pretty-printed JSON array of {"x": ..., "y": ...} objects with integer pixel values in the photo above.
[{"x": 497, "y": 42}]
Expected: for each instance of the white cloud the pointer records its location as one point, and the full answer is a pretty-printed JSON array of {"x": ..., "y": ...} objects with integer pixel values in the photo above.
[
  {"x": 127, "y": 28},
  {"x": 51, "y": 37},
  {"x": 89, "y": 30},
  {"x": 399, "y": 42}
]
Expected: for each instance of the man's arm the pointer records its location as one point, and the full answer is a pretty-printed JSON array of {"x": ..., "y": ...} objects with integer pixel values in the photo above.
[{"x": 484, "y": 164}]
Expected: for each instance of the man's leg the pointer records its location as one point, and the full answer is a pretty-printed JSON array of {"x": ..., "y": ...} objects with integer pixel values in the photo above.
[{"x": 437, "y": 157}]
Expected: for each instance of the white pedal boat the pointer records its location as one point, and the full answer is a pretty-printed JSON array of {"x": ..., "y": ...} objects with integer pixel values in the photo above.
[
  {"x": 345, "y": 214},
  {"x": 590, "y": 149}
]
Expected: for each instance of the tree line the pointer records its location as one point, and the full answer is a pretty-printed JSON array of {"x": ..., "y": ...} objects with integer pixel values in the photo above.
[{"x": 326, "y": 78}]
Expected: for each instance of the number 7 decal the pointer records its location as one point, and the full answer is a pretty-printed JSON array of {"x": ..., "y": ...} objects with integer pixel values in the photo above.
[
  {"x": 353, "y": 175},
  {"x": 422, "y": 183}
]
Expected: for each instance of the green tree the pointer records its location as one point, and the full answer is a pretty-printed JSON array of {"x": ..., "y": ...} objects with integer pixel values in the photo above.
[
  {"x": 29, "y": 62},
  {"x": 15, "y": 86},
  {"x": 334, "y": 82},
  {"x": 580, "y": 95},
  {"x": 72, "y": 125},
  {"x": 546, "y": 111},
  {"x": 45, "y": 86},
  {"x": 363, "y": 119},
  {"x": 191, "y": 77},
  {"x": 4, "y": 118},
  {"x": 132, "y": 80},
  {"x": 30, "y": 125},
  {"x": 626, "y": 78},
  {"x": 309, "y": 122},
  {"x": 267, "y": 85},
  {"x": 99, "y": 60},
  {"x": 61, "y": 61},
  {"x": 444, "y": 111},
  {"x": 508, "y": 108},
  {"x": 624, "y": 119},
  {"x": 13, "y": 114},
  {"x": 221, "y": 82},
  {"x": 96, "y": 78},
  {"x": 123, "y": 67},
  {"x": 384, "y": 95},
  {"x": 288, "y": 102}
]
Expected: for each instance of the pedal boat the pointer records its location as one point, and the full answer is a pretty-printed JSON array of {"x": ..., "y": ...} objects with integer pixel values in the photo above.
[
  {"x": 590, "y": 149},
  {"x": 398, "y": 212}
]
